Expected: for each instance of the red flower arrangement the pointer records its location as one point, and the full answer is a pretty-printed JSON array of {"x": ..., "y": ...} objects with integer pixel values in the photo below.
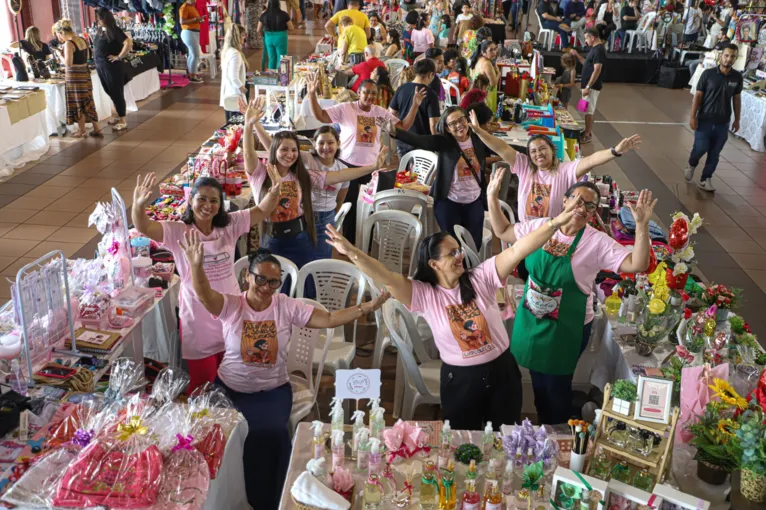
[{"x": 722, "y": 296}]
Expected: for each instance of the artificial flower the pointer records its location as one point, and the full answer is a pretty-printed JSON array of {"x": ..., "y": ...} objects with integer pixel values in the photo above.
[
  {"x": 656, "y": 306},
  {"x": 727, "y": 427},
  {"x": 725, "y": 391},
  {"x": 687, "y": 313},
  {"x": 680, "y": 268},
  {"x": 695, "y": 223},
  {"x": 680, "y": 215}
]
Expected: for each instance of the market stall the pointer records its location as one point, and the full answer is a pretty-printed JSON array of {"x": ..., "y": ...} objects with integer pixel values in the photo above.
[{"x": 23, "y": 140}]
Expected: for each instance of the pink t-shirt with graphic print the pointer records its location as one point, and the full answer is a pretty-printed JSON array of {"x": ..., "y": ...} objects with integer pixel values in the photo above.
[
  {"x": 595, "y": 251},
  {"x": 201, "y": 335},
  {"x": 256, "y": 342},
  {"x": 359, "y": 131},
  {"x": 464, "y": 188},
  {"x": 541, "y": 193},
  {"x": 470, "y": 334},
  {"x": 290, "y": 203}
]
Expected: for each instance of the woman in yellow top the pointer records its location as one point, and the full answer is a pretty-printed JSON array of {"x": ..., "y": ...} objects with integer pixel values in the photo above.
[
  {"x": 483, "y": 62},
  {"x": 190, "y": 26}
]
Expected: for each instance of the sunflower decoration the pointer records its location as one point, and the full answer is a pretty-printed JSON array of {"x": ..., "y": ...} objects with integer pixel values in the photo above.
[
  {"x": 727, "y": 429},
  {"x": 656, "y": 306},
  {"x": 724, "y": 391}
]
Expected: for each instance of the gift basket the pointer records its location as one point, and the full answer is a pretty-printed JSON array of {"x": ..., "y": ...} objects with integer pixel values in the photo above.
[{"x": 210, "y": 412}]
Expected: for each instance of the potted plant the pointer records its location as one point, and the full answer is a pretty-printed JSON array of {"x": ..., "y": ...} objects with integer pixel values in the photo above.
[
  {"x": 624, "y": 393},
  {"x": 724, "y": 298},
  {"x": 715, "y": 438},
  {"x": 752, "y": 437}
]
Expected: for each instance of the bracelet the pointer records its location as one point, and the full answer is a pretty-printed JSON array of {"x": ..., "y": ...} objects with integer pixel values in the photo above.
[
  {"x": 552, "y": 226},
  {"x": 361, "y": 311},
  {"x": 615, "y": 153}
]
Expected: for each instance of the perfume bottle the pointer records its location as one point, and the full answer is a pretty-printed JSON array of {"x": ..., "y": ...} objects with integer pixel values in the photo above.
[
  {"x": 488, "y": 441},
  {"x": 445, "y": 448},
  {"x": 388, "y": 482},
  {"x": 471, "y": 499},
  {"x": 585, "y": 500},
  {"x": 337, "y": 414},
  {"x": 318, "y": 441},
  {"x": 363, "y": 451},
  {"x": 447, "y": 489},
  {"x": 499, "y": 456},
  {"x": 507, "y": 487},
  {"x": 373, "y": 493},
  {"x": 493, "y": 500},
  {"x": 358, "y": 418},
  {"x": 600, "y": 467},
  {"x": 644, "y": 480},
  {"x": 429, "y": 492},
  {"x": 618, "y": 434},
  {"x": 490, "y": 476},
  {"x": 471, "y": 473},
  {"x": 338, "y": 449},
  {"x": 375, "y": 457},
  {"x": 621, "y": 472}
]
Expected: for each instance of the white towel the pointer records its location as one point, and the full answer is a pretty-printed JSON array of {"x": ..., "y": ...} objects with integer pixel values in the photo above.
[{"x": 308, "y": 490}]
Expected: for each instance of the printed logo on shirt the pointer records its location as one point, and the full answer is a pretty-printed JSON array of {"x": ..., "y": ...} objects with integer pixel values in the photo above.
[
  {"x": 556, "y": 248},
  {"x": 463, "y": 170},
  {"x": 287, "y": 207},
  {"x": 366, "y": 131},
  {"x": 470, "y": 329},
  {"x": 217, "y": 266},
  {"x": 259, "y": 344},
  {"x": 543, "y": 302},
  {"x": 538, "y": 200}
]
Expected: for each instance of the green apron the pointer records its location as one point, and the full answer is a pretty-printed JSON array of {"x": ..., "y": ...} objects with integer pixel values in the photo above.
[{"x": 547, "y": 331}]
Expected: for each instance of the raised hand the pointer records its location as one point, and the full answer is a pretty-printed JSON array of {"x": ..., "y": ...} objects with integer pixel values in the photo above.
[
  {"x": 419, "y": 96},
  {"x": 380, "y": 162},
  {"x": 474, "y": 119},
  {"x": 337, "y": 241},
  {"x": 192, "y": 247},
  {"x": 313, "y": 83},
  {"x": 644, "y": 208},
  {"x": 566, "y": 215},
  {"x": 254, "y": 110},
  {"x": 496, "y": 182},
  {"x": 276, "y": 178},
  {"x": 371, "y": 306},
  {"x": 628, "y": 144},
  {"x": 142, "y": 194}
]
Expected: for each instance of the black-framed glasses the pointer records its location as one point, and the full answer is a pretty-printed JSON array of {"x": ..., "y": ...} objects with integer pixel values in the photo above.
[
  {"x": 260, "y": 281},
  {"x": 459, "y": 122},
  {"x": 589, "y": 206}
]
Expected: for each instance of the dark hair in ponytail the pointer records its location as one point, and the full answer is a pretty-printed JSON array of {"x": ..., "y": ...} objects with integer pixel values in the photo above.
[
  {"x": 480, "y": 49},
  {"x": 260, "y": 256},
  {"x": 429, "y": 250}
]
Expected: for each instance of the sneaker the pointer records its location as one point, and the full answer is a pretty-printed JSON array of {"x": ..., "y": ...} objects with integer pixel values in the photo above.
[
  {"x": 706, "y": 185},
  {"x": 689, "y": 173}
]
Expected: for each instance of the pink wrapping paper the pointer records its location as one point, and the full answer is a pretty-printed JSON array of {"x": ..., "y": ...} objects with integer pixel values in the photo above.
[{"x": 695, "y": 395}]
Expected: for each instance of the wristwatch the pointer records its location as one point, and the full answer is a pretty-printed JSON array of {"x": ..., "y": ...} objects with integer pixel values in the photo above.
[{"x": 615, "y": 153}]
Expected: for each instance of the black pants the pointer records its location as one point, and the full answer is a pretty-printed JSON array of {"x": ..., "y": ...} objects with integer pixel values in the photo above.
[
  {"x": 470, "y": 216},
  {"x": 472, "y": 396},
  {"x": 113, "y": 79},
  {"x": 385, "y": 181}
]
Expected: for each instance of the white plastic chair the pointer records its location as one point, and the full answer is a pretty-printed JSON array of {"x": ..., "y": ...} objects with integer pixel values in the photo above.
[
  {"x": 382, "y": 337},
  {"x": 511, "y": 217},
  {"x": 468, "y": 245},
  {"x": 397, "y": 199},
  {"x": 301, "y": 353},
  {"x": 396, "y": 231},
  {"x": 334, "y": 280},
  {"x": 449, "y": 88},
  {"x": 547, "y": 34},
  {"x": 395, "y": 67},
  {"x": 423, "y": 165},
  {"x": 340, "y": 216},
  {"x": 240, "y": 266},
  {"x": 640, "y": 33},
  {"x": 485, "y": 251},
  {"x": 416, "y": 383}
]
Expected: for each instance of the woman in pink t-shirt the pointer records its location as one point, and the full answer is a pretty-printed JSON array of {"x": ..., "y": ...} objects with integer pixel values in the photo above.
[
  {"x": 553, "y": 322},
  {"x": 421, "y": 36},
  {"x": 480, "y": 380},
  {"x": 543, "y": 179},
  {"x": 201, "y": 336},
  {"x": 257, "y": 325}
]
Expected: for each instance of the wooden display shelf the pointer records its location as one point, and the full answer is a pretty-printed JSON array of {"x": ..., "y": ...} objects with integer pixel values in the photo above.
[{"x": 658, "y": 462}]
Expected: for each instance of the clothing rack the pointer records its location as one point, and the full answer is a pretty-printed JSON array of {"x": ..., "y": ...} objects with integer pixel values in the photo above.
[{"x": 150, "y": 33}]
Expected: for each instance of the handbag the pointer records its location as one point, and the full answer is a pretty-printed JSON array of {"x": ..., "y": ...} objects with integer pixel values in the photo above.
[{"x": 482, "y": 189}]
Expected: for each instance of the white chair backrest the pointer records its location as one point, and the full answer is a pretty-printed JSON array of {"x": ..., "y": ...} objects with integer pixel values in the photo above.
[
  {"x": 340, "y": 216},
  {"x": 396, "y": 231},
  {"x": 288, "y": 269},
  {"x": 300, "y": 350},
  {"x": 466, "y": 242},
  {"x": 334, "y": 280},
  {"x": 397, "y": 199},
  {"x": 646, "y": 21},
  {"x": 240, "y": 266},
  {"x": 394, "y": 316},
  {"x": 423, "y": 165},
  {"x": 395, "y": 67},
  {"x": 511, "y": 217},
  {"x": 449, "y": 88}
]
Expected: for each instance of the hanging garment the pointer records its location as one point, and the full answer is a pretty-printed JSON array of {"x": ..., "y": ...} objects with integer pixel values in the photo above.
[
  {"x": 253, "y": 11},
  {"x": 204, "y": 26}
]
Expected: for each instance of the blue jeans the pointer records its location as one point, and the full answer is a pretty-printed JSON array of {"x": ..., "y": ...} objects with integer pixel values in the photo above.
[
  {"x": 267, "y": 447},
  {"x": 708, "y": 138},
  {"x": 553, "y": 393},
  {"x": 554, "y": 25},
  {"x": 321, "y": 219},
  {"x": 298, "y": 249},
  {"x": 470, "y": 216},
  {"x": 191, "y": 40}
]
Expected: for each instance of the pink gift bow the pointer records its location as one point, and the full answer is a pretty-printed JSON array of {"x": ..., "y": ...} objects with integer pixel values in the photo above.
[
  {"x": 114, "y": 248},
  {"x": 184, "y": 443},
  {"x": 404, "y": 440}
]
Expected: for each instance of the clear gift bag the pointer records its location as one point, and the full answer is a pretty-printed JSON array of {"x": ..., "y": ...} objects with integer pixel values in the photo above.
[{"x": 212, "y": 416}]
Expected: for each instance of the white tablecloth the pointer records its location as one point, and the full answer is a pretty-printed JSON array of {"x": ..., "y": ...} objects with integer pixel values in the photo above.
[
  {"x": 752, "y": 121},
  {"x": 228, "y": 489},
  {"x": 24, "y": 141},
  {"x": 55, "y": 111}
]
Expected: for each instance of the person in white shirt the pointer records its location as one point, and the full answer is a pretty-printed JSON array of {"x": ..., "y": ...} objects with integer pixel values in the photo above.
[
  {"x": 693, "y": 23},
  {"x": 465, "y": 14},
  {"x": 233, "y": 70}
]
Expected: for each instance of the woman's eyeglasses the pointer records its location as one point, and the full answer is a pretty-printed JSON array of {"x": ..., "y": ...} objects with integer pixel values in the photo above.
[
  {"x": 455, "y": 253},
  {"x": 260, "y": 281},
  {"x": 459, "y": 122},
  {"x": 589, "y": 206}
]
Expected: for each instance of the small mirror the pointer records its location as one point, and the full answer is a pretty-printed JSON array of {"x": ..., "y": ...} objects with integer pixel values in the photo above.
[{"x": 14, "y": 6}]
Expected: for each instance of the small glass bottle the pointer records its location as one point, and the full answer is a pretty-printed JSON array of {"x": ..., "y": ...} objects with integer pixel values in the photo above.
[
  {"x": 585, "y": 500},
  {"x": 448, "y": 489},
  {"x": 363, "y": 451},
  {"x": 490, "y": 476},
  {"x": 644, "y": 480},
  {"x": 445, "y": 448},
  {"x": 375, "y": 457},
  {"x": 488, "y": 441},
  {"x": 358, "y": 418},
  {"x": 429, "y": 492},
  {"x": 373, "y": 493},
  {"x": 17, "y": 380},
  {"x": 499, "y": 456},
  {"x": 621, "y": 472},
  {"x": 471, "y": 473},
  {"x": 471, "y": 499},
  {"x": 507, "y": 487},
  {"x": 493, "y": 500},
  {"x": 600, "y": 467},
  {"x": 318, "y": 441},
  {"x": 338, "y": 449},
  {"x": 337, "y": 414}
]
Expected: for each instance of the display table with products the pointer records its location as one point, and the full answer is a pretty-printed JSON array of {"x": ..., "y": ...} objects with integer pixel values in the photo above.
[
  {"x": 22, "y": 141},
  {"x": 752, "y": 120}
]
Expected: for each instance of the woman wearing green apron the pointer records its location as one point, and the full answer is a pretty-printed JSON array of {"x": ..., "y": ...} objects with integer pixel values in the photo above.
[
  {"x": 553, "y": 322},
  {"x": 483, "y": 62}
]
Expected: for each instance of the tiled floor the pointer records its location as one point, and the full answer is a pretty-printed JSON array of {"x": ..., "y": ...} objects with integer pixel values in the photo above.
[{"x": 46, "y": 204}]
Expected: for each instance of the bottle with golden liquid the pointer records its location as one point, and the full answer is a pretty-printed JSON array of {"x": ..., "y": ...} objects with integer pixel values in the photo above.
[
  {"x": 493, "y": 499},
  {"x": 448, "y": 490},
  {"x": 429, "y": 492},
  {"x": 373, "y": 493}
]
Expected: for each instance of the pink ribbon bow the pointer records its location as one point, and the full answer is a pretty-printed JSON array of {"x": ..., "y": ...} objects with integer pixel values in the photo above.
[
  {"x": 184, "y": 443},
  {"x": 114, "y": 248},
  {"x": 404, "y": 440}
]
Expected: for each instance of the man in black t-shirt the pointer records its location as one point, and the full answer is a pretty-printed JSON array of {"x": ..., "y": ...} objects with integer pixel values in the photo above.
[
  {"x": 592, "y": 77},
  {"x": 718, "y": 89},
  {"x": 428, "y": 113}
]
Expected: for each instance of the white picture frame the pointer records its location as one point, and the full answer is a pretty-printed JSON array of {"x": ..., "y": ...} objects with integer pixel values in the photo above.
[
  {"x": 565, "y": 475},
  {"x": 680, "y": 500},
  {"x": 654, "y": 400},
  {"x": 635, "y": 496}
]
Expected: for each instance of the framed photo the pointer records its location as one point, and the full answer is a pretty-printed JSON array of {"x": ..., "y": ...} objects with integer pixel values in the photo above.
[
  {"x": 568, "y": 485},
  {"x": 621, "y": 496},
  {"x": 747, "y": 30},
  {"x": 653, "y": 402},
  {"x": 669, "y": 498}
]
